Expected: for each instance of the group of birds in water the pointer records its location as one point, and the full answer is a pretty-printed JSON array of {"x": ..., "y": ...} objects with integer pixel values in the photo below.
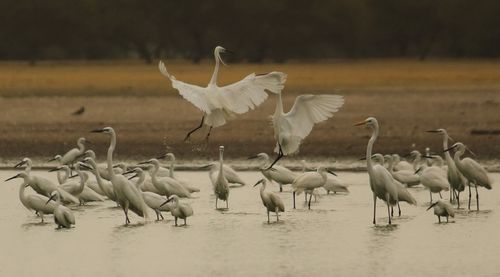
[{"x": 133, "y": 190}]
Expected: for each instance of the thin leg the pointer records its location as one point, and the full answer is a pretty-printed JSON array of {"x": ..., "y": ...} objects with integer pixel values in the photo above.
[
  {"x": 470, "y": 194},
  {"x": 157, "y": 215},
  {"x": 399, "y": 210},
  {"x": 430, "y": 193},
  {"x": 327, "y": 192},
  {"x": 277, "y": 215},
  {"x": 439, "y": 219},
  {"x": 374, "y": 207},
  {"x": 216, "y": 202},
  {"x": 195, "y": 129},
  {"x": 294, "y": 199},
  {"x": 185, "y": 223},
  {"x": 208, "y": 135},
  {"x": 392, "y": 211},
  {"x": 458, "y": 199},
  {"x": 280, "y": 155},
  {"x": 175, "y": 221},
  {"x": 41, "y": 215},
  {"x": 451, "y": 195},
  {"x": 281, "y": 187},
  {"x": 477, "y": 197},
  {"x": 447, "y": 219},
  {"x": 227, "y": 203},
  {"x": 310, "y": 197},
  {"x": 162, "y": 218},
  {"x": 440, "y": 196},
  {"x": 388, "y": 212},
  {"x": 268, "y": 220}
]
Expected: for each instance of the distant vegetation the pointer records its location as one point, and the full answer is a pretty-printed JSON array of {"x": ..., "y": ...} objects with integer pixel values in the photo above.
[{"x": 259, "y": 30}]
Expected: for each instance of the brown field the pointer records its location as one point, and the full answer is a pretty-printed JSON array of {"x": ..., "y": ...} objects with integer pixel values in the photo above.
[{"x": 150, "y": 117}]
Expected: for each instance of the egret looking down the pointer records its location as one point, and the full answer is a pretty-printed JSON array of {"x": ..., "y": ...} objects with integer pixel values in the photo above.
[
  {"x": 271, "y": 201},
  {"x": 63, "y": 216},
  {"x": 219, "y": 104}
]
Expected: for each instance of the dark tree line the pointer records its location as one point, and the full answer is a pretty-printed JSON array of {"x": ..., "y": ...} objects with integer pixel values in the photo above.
[{"x": 275, "y": 30}]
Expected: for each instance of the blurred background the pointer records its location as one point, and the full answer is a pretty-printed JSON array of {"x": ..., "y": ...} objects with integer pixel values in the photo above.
[{"x": 67, "y": 67}]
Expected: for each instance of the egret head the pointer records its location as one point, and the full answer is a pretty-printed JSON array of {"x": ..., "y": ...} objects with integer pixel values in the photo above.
[
  {"x": 84, "y": 140},
  {"x": 218, "y": 50},
  {"x": 56, "y": 158},
  {"x": 324, "y": 169},
  {"x": 369, "y": 122},
  {"x": 90, "y": 153},
  {"x": 22, "y": 162}
]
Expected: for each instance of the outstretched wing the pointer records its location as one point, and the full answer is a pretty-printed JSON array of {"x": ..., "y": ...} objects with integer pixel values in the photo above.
[
  {"x": 192, "y": 93},
  {"x": 250, "y": 92},
  {"x": 310, "y": 109}
]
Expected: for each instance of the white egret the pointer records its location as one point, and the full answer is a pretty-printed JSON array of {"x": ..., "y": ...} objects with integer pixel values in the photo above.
[
  {"x": 472, "y": 170},
  {"x": 271, "y": 201},
  {"x": 417, "y": 158},
  {"x": 63, "y": 216},
  {"x": 455, "y": 178},
  {"x": 221, "y": 185},
  {"x": 153, "y": 200},
  {"x": 309, "y": 181},
  {"x": 72, "y": 155},
  {"x": 105, "y": 185},
  {"x": 78, "y": 189},
  {"x": 433, "y": 179},
  {"x": 148, "y": 183},
  {"x": 442, "y": 208},
  {"x": 127, "y": 194},
  {"x": 401, "y": 164},
  {"x": 292, "y": 127},
  {"x": 231, "y": 175},
  {"x": 219, "y": 104},
  {"x": 166, "y": 186},
  {"x": 179, "y": 209},
  {"x": 35, "y": 202},
  {"x": 42, "y": 185},
  {"x": 381, "y": 180},
  {"x": 403, "y": 176},
  {"x": 102, "y": 168},
  {"x": 61, "y": 176},
  {"x": 279, "y": 174},
  {"x": 171, "y": 174}
]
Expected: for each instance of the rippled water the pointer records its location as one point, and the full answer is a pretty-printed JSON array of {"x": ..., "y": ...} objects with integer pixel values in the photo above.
[{"x": 335, "y": 237}]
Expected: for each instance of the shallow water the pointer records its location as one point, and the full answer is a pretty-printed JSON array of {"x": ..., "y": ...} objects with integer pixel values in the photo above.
[{"x": 335, "y": 237}]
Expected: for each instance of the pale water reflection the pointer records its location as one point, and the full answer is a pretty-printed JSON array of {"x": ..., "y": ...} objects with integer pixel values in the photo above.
[{"x": 335, "y": 237}]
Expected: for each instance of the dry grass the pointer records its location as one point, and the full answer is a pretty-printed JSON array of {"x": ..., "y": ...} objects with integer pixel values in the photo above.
[{"x": 407, "y": 97}]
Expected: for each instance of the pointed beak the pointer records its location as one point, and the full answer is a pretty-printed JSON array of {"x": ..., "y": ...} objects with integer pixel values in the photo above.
[
  {"x": 359, "y": 123},
  {"x": 13, "y": 177},
  {"x": 86, "y": 166},
  {"x": 331, "y": 172},
  {"x": 205, "y": 166},
  {"x": 428, "y": 157},
  {"x": 418, "y": 170},
  {"x": 51, "y": 160},
  {"x": 252, "y": 157},
  {"x": 260, "y": 181},
  {"x": 51, "y": 198},
  {"x": 73, "y": 176},
  {"x": 128, "y": 172},
  {"x": 228, "y": 51},
  {"x": 97, "y": 131},
  {"x": 161, "y": 157},
  {"x": 54, "y": 169},
  {"x": 450, "y": 148},
  {"x": 432, "y": 131},
  {"x": 133, "y": 176},
  {"x": 432, "y": 205},
  {"x": 88, "y": 142},
  {"x": 145, "y": 162},
  {"x": 164, "y": 203},
  {"x": 19, "y": 164},
  {"x": 362, "y": 159}
]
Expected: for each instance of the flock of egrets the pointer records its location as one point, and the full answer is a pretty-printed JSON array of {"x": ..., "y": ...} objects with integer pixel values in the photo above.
[{"x": 160, "y": 190}]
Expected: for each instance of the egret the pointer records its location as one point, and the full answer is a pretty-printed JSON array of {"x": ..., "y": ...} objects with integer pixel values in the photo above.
[
  {"x": 309, "y": 191},
  {"x": 442, "y": 208},
  {"x": 455, "y": 178},
  {"x": 271, "y": 200},
  {"x": 61, "y": 176},
  {"x": 401, "y": 164},
  {"x": 105, "y": 185},
  {"x": 72, "y": 155},
  {"x": 78, "y": 189},
  {"x": 153, "y": 200},
  {"x": 433, "y": 179},
  {"x": 403, "y": 176},
  {"x": 417, "y": 158},
  {"x": 166, "y": 186},
  {"x": 309, "y": 181},
  {"x": 35, "y": 202},
  {"x": 148, "y": 183},
  {"x": 179, "y": 209},
  {"x": 471, "y": 170},
  {"x": 279, "y": 174},
  {"x": 102, "y": 168},
  {"x": 381, "y": 180},
  {"x": 218, "y": 104},
  {"x": 292, "y": 127},
  {"x": 171, "y": 174},
  {"x": 63, "y": 216},
  {"x": 231, "y": 175},
  {"x": 42, "y": 185},
  {"x": 221, "y": 185},
  {"x": 127, "y": 194}
]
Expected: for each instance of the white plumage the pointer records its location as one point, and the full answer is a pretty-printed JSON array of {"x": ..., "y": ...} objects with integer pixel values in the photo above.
[
  {"x": 179, "y": 209},
  {"x": 442, "y": 208},
  {"x": 72, "y": 155},
  {"x": 220, "y": 184},
  {"x": 63, "y": 216},
  {"x": 309, "y": 181},
  {"x": 271, "y": 201},
  {"x": 279, "y": 174}
]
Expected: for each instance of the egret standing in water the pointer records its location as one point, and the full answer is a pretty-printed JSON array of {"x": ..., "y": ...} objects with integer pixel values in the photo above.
[
  {"x": 271, "y": 201},
  {"x": 292, "y": 127},
  {"x": 442, "y": 208},
  {"x": 127, "y": 195},
  {"x": 309, "y": 181},
  {"x": 63, "y": 216},
  {"x": 178, "y": 209},
  {"x": 221, "y": 186},
  {"x": 279, "y": 174},
  {"x": 219, "y": 104},
  {"x": 472, "y": 170},
  {"x": 381, "y": 181}
]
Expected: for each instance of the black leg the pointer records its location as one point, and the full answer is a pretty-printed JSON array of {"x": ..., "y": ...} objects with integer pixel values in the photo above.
[
  {"x": 470, "y": 195},
  {"x": 208, "y": 135},
  {"x": 439, "y": 219},
  {"x": 399, "y": 209},
  {"x": 310, "y": 197},
  {"x": 227, "y": 203},
  {"x": 281, "y": 188},
  {"x": 374, "y": 207},
  {"x": 195, "y": 129},
  {"x": 294, "y": 199},
  {"x": 175, "y": 221},
  {"x": 216, "y": 202},
  {"x": 280, "y": 155},
  {"x": 458, "y": 199},
  {"x": 477, "y": 197},
  {"x": 392, "y": 211},
  {"x": 268, "y": 221},
  {"x": 440, "y": 196}
]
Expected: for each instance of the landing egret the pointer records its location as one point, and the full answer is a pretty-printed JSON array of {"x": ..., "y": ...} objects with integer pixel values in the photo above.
[
  {"x": 127, "y": 194},
  {"x": 279, "y": 174},
  {"x": 35, "y": 202},
  {"x": 309, "y": 181},
  {"x": 72, "y": 155},
  {"x": 221, "y": 185},
  {"x": 166, "y": 186},
  {"x": 171, "y": 174},
  {"x": 105, "y": 185},
  {"x": 153, "y": 200},
  {"x": 63, "y": 216},
  {"x": 403, "y": 176},
  {"x": 455, "y": 178},
  {"x": 42, "y": 185},
  {"x": 472, "y": 170},
  {"x": 292, "y": 127},
  {"x": 433, "y": 179},
  {"x": 442, "y": 208},
  {"x": 219, "y": 104},
  {"x": 271, "y": 201},
  {"x": 381, "y": 180},
  {"x": 179, "y": 209}
]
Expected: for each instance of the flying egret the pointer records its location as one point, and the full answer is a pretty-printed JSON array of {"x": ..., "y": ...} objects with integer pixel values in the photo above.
[
  {"x": 35, "y": 202},
  {"x": 179, "y": 209},
  {"x": 403, "y": 176},
  {"x": 401, "y": 164},
  {"x": 153, "y": 200},
  {"x": 309, "y": 181},
  {"x": 221, "y": 185},
  {"x": 72, "y": 155},
  {"x": 433, "y": 179},
  {"x": 219, "y": 104},
  {"x": 42, "y": 185},
  {"x": 455, "y": 178},
  {"x": 63, "y": 216},
  {"x": 105, "y": 185},
  {"x": 127, "y": 194},
  {"x": 279, "y": 174},
  {"x": 381, "y": 180},
  {"x": 294, "y": 126},
  {"x": 472, "y": 170},
  {"x": 442, "y": 208},
  {"x": 271, "y": 200},
  {"x": 166, "y": 186},
  {"x": 171, "y": 174}
]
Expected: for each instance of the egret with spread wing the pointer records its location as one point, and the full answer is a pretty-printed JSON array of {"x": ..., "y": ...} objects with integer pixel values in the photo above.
[{"x": 218, "y": 104}]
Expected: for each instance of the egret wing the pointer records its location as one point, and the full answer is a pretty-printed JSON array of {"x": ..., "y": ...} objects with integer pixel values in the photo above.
[
  {"x": 277, "y": 202},
  {"x": 310, "y": 109},
  {"x": 250, "y": 92}
]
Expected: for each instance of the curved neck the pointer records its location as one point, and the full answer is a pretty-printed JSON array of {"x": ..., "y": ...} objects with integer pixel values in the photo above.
[
  {"x": 221, "y": 163},
  {"x": 390, "y": 164},
  {"x": 140, "y": 181},
  {"x": 22, "y": 197},
  {"x": 29, "y": 164},
  {"x": 457, "y": 156},
  {"x": 447, "y": 155},
  {"x": 171, "y": 169},
  {"x": 81, "y": 146},
  {"x": 111, "y": 149},
  {"x": 369, "y": 148},
  {"x": 213, "y": 80},
  {"x": 154, "y": 172},
  {"x": 97, "y": 175}
]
